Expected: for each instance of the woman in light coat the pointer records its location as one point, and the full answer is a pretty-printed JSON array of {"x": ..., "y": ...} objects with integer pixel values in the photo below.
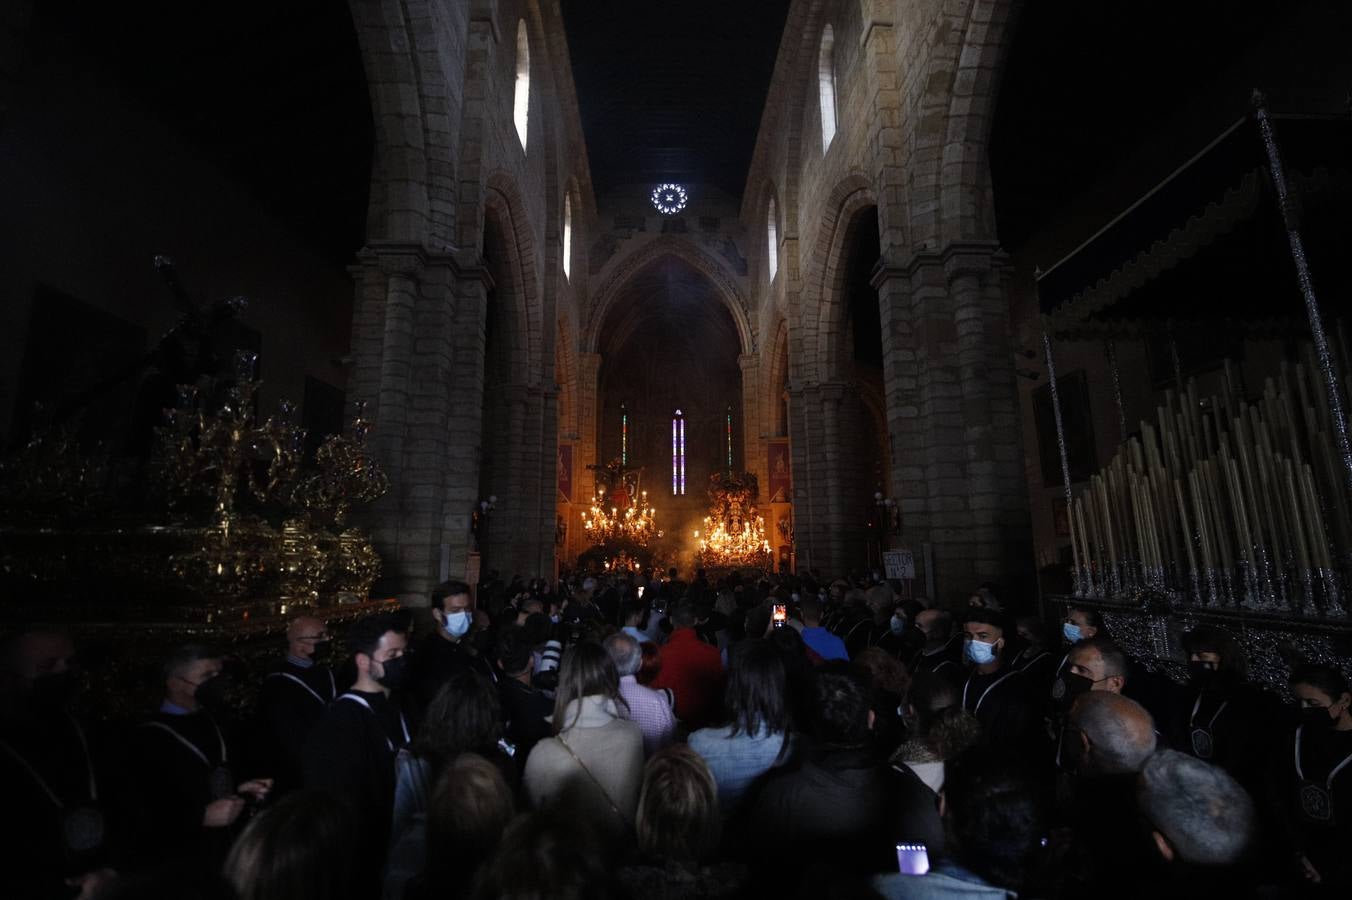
[{"x": 591, "y": 769}]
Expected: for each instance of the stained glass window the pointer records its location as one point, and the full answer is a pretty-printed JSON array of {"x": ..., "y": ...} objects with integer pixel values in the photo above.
[{"x": 678, "y": 454}]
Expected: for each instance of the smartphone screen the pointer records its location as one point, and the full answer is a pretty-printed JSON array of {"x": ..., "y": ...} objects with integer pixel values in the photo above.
[
  {"x": 640, "y": 591},
  {"x": 912, "y": 859},
  {"x": 781, "y": 614}
]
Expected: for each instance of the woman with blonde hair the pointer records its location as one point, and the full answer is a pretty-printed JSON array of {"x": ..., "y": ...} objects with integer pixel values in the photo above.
[{"x": 591, "y": 768}]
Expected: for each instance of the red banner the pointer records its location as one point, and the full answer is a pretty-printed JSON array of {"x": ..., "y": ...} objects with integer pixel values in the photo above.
[
  {"x": 566, "y": 472},
  {"x": 781, "y": 477}
]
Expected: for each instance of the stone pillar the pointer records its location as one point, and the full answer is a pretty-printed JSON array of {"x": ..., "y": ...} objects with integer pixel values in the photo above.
[
  {"x": 417, "y": 348},
  {"x": 953, "y": 416},
  {"x": 753, "y": 449},
  {"x": 804, "y": 512}
]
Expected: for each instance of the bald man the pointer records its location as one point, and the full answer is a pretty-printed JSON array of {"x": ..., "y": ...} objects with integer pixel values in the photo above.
[
  {"x": 1111, "y": 734},
  {"x": 1107, "y": 741},
  {"x": 293, "y": 697}
]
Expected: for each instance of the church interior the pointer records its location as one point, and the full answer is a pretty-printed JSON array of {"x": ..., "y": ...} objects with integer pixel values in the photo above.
[{"x": 317, "y": 306}]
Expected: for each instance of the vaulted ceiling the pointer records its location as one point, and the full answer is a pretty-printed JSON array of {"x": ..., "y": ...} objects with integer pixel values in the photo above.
[{"x": 672, "y": 91}]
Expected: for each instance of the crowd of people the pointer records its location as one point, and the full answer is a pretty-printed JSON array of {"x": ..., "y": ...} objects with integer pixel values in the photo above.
[{"x": 639, "y": 736}]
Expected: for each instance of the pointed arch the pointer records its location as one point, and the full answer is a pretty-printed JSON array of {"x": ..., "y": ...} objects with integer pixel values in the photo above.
[
  {"x": 823, "y": 315},
  {"x": 664, "y": 247}
]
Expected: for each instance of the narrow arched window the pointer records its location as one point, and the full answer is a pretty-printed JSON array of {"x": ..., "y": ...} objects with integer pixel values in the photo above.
[
  {"x": 826, "y": 86},
  {"x": 567, "y": 234},
  {"x": 678, "y": 454},
  {"x": 521, "y": 105},
  {"x": 772, "y": 235}
]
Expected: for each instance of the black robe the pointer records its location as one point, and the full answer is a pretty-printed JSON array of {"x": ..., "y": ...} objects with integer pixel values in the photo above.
[
  {"x": 291, "y": 701},
  {"x": 51, "y": 752},
  {"x": 351, "y": 753},
  {"x": 180, "y": 764},
  {"x": 1000, "y": 702}
]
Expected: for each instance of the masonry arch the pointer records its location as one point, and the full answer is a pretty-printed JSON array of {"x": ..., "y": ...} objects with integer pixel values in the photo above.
[
  {"x": 823, "y": 319},
  {"x": 651, "y": 254}
]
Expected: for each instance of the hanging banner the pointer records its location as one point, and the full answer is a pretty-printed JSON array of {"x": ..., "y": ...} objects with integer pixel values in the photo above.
[
  {"x": 781, "y": 479},
  {"x": 566, "y": 472}
]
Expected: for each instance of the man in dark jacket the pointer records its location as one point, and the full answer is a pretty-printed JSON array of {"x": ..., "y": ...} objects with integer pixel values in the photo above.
[
  {"x": 447, "y": 651},
  {"x": 994, "y": 691},
  {"x": 293, "y": 697},
  {"x": 185, "y": 768},
  {"x": 351, "y": 751},
  {"x": 840, "y": 803}
]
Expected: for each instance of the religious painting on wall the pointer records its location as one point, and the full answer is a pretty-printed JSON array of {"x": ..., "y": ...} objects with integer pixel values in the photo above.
[
  {"x": 566, "y": 472},
  {"x": 1077, "y": 419},
  {"x": 781, "y": 478}
]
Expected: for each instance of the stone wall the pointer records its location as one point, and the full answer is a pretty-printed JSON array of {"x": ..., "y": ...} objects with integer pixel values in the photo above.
[{"x": 914, "y": 89}]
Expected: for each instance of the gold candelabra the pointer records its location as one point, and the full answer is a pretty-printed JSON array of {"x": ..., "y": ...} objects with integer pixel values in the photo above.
[
  {"x": 734, "y": 533},
  {"x": 636, "y": 523}
]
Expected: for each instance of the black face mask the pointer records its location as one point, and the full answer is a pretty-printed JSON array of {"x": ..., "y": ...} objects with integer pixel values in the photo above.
[
  {"x": 1068, "y": 686},
  {"x": 321, "y": 649},
  {"x": 1317, "y": 718},
  {"x": 211, "y": 693},
  {"x": 393, "y": 673},
  {"x": 1202, "y": 675}
]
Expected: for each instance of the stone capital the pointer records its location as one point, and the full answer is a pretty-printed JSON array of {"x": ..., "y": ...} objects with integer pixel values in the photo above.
[
  {"x": 955, "y": 259},
  {"x": 411, "y": 259},
  {"x": 748, "y": 361}
]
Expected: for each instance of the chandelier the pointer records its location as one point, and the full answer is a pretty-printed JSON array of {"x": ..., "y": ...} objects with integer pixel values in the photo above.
[
  {"x": 734, "y": 533},
  {"x": 636, "y": 523}
]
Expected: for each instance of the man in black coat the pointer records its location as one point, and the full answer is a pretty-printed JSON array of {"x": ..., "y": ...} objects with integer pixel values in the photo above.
[
  {"x": 525, "y": 709},
  {"x": 994, "y": 691},
  {"x": 351, "y": 750},
  {"x": 56, "y": 777},
  {"x": 293, "y": 697},
  {"x": 840, "y": 802},
  {"x": 184, "y": 767},
  {"x": 446, "y": 652}
]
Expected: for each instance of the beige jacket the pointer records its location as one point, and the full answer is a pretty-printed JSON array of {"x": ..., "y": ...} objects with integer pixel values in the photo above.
[{"x": 611, "y": 748}]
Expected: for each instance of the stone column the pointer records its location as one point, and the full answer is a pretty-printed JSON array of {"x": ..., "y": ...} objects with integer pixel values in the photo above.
[
  {"x": 952, "y": 414},
  {"x": 753, "y": 450}
]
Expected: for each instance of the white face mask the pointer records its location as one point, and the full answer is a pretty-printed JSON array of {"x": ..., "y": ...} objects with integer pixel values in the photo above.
[
  {"x": 980, "y": 652},
  {"x": 898, "y": 624},
  {"x": 457, "y": 623}
]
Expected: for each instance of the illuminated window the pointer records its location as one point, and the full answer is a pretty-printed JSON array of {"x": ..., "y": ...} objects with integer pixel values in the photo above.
[
  {"x": 678, "y": 454},
  {"x": 729, "y": 438},
  {"x": 521, "y": 106},
  {"x": 772, "y": 232},
  {"x": 567, "y": 233},
  {"x": 826, "y": 86}
]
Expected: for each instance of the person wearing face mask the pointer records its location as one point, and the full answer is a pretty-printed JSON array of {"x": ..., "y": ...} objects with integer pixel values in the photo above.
[
  {"x": 1312, "y": 787},
  {"x": 184, "y": 765},
  {"x": 994, "y": 691},
  {"x": 351, "y": 751},
  {"x": 446, "y": 652},
  {"x": 1220, "y": 717},
  {"x": 293, "y": 697},
  {"x": 55, "y": 774},
  {"x": 941, "y": 652}
]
